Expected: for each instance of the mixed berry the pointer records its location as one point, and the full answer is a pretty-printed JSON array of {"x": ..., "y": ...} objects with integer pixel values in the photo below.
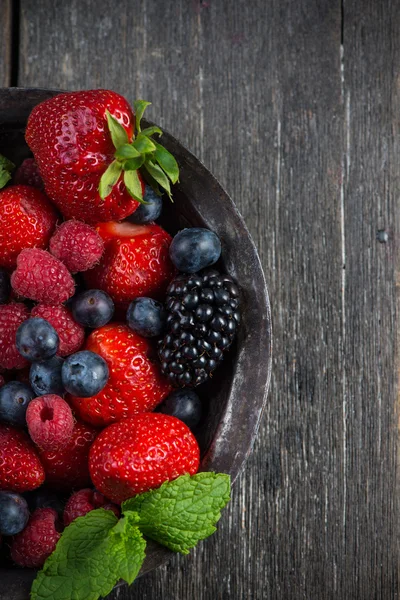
[{"x": 107, "y": 323}]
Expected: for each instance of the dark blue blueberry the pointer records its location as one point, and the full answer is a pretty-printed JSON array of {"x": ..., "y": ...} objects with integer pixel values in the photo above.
[
  {"x": 5, "y": 287},
  {"x": 14, "y": 513},
  {"x": 92, "y": 308},
  {"x": 45, "y": 377},
  {"x": 147, "y": 212},
  {"x": 14, "y": 399},
  {"x": 194, "y": 249},
  {"x": 183, "y": 404},
  {"x": 37, "y": 339},
  {"x": 84, "y": 374},
  {"x": 146, "y": 316},
  {"x": 42, "y": 498}
]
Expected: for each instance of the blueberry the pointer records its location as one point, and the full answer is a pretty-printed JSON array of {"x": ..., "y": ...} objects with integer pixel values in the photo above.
[
  {"x": 42, "y": 498},
  {"x": 5, "y": 287},
  {"x": 84, "y": 374},
  {"x": 14, "y": 513},
  {"x": 92, "y": 308},
  {"x": 37, "y": 339},
  {"x": 45, "y": 377},
  {"x": 147, "y": 212},
  {"x": 194, "y": 249},
  {"x": 146, "y": 316},
  {"x": 183, "y": 404},
  {"x": 14, "y": 399}
]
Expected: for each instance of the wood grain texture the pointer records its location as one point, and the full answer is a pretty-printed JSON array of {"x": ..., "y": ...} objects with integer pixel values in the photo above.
[
  {"x": 5, "y": 42},
  {"x": 304, "y": 136}
]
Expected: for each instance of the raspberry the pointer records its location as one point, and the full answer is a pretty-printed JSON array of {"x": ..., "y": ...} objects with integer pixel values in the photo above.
[
  {"x": 37, "y": 541},
  {"x": 28, "y": 174},
  {"x": 50, "y": 422},
  {"x": 41, "y": 277},
  {"x": 71, "y": 334},
  {"x": 83, "y": 502},
  {"x": 77, "y": 245},
  {"x": 11, "y": 317},
  {"x": 68, "y": 468}
]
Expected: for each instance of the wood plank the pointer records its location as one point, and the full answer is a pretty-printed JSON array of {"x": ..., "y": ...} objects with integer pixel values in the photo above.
[
  {"x": 255, "y": 90},
  {"x": 5, "y": 43}
]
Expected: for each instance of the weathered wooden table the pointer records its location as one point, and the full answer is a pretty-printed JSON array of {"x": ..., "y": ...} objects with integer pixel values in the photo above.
[{"x": 295, "y": 108}]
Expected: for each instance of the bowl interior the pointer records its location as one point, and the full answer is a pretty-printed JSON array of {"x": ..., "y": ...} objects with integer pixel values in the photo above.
[{"x": 235, "y": 397}]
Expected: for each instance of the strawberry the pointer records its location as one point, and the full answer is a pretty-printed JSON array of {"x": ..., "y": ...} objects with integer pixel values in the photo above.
[
  {"x": 85, "y": 147},
  {"x": 135, "y": 383},
  {"x": 135, "y": 262},
  {"x": 140, "y": 453},
  {"x": 27, "y": 220},
  {"x": 20, "y": 467},
  {"x": 68, "y": 468}
]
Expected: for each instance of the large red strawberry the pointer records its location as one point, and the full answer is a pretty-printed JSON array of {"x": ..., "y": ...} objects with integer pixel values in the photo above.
[
  {"x": 20, "y": 467},
  {"x": 135, "y": 262},
  {"x": 140, "y": 453},
  {"x": 68, "y": 468},
  {"x": 27, "y": 220},
  {"x": 135, "y": 382},
  {"x": 88, "y": 156}
]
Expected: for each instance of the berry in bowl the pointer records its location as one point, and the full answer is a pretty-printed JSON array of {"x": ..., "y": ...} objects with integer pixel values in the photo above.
[{"x": 135, "y": 344}]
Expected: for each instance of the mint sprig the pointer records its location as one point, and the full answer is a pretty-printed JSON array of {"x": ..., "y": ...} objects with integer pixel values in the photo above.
[
  {"x": 6, "y": 168},
  {"x": 155, "y": 163},
  {"x": 97, "y": 550}
]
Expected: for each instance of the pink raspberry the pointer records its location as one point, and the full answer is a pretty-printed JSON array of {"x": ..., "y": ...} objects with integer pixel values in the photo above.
[
  {"x": 77, "y": 245},
  {"x": 50, "y": 422},
  {"x": 28, "y": 174},
  {"x": 83, "y": 502},
  {"x": 41, "y": 277},
  {"x": 71, "y": 334},
  {"x": 11, "y": 317},
  {"x": 37, "y": 541}
]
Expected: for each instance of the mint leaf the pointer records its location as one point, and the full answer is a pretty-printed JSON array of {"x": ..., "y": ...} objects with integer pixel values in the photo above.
[
  {"x": 182, "y": 512},
  {"x": 118, "y": 133},
  {"x": 93, "y": 553},
  {"x": 6, "y": 167},
  {"x": 109, "y": 178},
  {"x": 139, "y": 106},
  {"x": 167, "y": 162},
  {"x": 133, "y": 185}
]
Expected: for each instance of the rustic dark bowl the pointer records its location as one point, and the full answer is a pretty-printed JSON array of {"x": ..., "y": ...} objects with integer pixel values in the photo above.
[{"x": 237, "y": 393}]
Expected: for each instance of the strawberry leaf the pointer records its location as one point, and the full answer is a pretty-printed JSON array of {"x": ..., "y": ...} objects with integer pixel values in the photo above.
[
  {"x": 126, "y": 151},
  {"x": 133, "y": 185},
  {"x": 109, "y": 179},
  {"x": 158, "y": 174},
  {"x": 139, "y": 107},
  {"x": 151, "y": 131},
  {"x": 151, "y": 181},
  {"x": 144, "y": 145},
  {"x": 118, "y": 133},
  {"x": 167, "y": 162},
  {"x": 6, "y": 167},
  {"x": 133, "y": 164}
]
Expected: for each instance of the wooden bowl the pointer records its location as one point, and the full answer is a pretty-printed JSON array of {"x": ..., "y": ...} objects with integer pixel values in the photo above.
[{"x": 236, "y": 395}]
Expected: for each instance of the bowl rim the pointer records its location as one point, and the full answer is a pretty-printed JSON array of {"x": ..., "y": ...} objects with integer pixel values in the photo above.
[{"x": 224, "y": 444}]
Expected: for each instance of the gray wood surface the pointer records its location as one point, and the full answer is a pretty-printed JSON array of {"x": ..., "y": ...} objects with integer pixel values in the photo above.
[
  {"x": 294, "y": 106},
  {"x": 5, "y": 42}
]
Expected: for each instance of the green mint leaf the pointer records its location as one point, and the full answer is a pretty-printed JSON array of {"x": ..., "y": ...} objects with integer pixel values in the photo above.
[
  {"x": 182, "y": 512},
  {"x": 151, "y": 131},
  {"x": 6, "y": 167},
  {"x": 158, "y": 174},
  {"x": 118, "y": 133},
  {"x": 133, "y": 185},
  {"x": 144, "y": 145},
  {"x": 126, "y": 151},
  {"x": 139, "y": 106},
  {"x": 93, "y": 553},
  {"x": 167, "y": 162},
  {"x": 109, "y": 179}
]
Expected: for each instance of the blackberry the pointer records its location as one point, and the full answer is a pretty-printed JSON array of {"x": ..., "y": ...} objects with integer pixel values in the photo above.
[{"x": 202, "y": 319}]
